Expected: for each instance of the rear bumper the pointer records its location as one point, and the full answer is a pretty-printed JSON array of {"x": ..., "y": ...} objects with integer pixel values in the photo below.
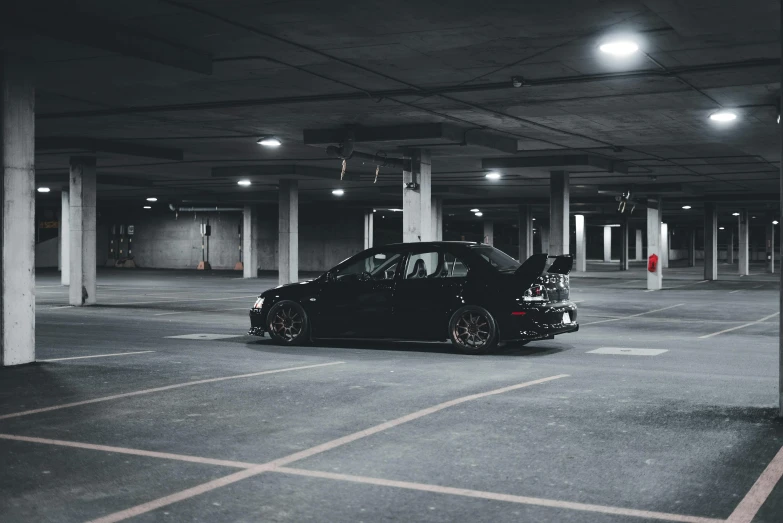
[{"x": 541, "y": 322}]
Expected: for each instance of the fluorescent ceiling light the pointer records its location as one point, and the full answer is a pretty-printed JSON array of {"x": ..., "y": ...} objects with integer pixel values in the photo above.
[
  {"x": 338, "y": 192},
  {"x": 44, "y": 189},
  {"x": 686, "y": 207},
  {"x": 474, "y": 210},
  {"x": 269, "y": 141},
  {"x": 479, "y": 214},
  {"x": 147, "y": 207},
  {"x": 619, "y": 48},
  {"x": 244, "y": 183},
  {"x": 735, "y": 214},
  {"x": 492, "y": 176},
  {"x": 723, "y": 116},
  {"x": 721, "y": 228},
  {"x": 153, "y": 199},
  {"x": 774, "y": 222}
]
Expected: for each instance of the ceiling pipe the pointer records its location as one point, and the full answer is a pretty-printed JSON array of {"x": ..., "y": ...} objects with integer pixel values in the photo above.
[{"x": 205, "y": 209}]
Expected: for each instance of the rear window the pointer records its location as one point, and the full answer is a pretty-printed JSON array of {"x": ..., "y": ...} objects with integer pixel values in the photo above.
[{"x": 498, "y": 259}]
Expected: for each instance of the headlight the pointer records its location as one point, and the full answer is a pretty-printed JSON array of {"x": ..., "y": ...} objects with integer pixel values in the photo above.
[{"x": 259, "y": 303}]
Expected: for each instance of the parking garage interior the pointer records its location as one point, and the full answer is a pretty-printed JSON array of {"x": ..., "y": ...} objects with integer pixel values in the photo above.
[{"x": 166, "y": 161}]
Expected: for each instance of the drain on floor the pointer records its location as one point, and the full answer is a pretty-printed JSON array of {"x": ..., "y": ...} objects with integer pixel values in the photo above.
[
  {"x": 627, "y": 351},
  {"x": 204, "y": 336}
]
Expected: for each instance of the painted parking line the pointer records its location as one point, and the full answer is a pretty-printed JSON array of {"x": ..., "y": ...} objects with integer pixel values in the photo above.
[
  {"x": 627, "y": 351},
  {"x": 201, "y": 312},
  {"x": 160, "y": 389},
  {"x": 632, "y": 315},
  {"x": 510, "y": 498},
  {"x": 297, "y": 456},
  {"x": 99, "y": 355},
  {"x": 759, "y": 492},
  {"x": 739, "y": 326},
  {"x": 165, "y": 300},
  {"x": 737, "y": 290},
  {"x": 678, "y": 286}
]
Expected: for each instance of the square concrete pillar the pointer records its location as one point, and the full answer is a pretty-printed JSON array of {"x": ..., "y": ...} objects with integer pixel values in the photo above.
[
  {"x": 639, "y": 246},
  {"x": 417, "y": 198},
  {"x": 437, "y": 219},
  {"x": 710, "y": 241},
  {"x": 543, "y": 231},
  {"x": 744, "y": 243},
  {"x": 288, "y": 232},
  {"x": 665, "y": 245},
  {"x": 692, "y": 248},
  {"x": 83, "y": 283},
  {"x": 250, "y": 242},
  {"x": 607, "y": 243},
  {"x": 580, "y": 263},
  {"x": 770, "y": 250},
  {"x": 489, "y": 233},
  {"x": 17, "y": 243},
  {"x": 525, "y": 231},
  {"x": 730, "y": 250},
  {"x": 369, "y": 219},
  {"x": 654, "y": 279},
  {"x": 624, "y": 245},
  {"x": 65, "y": 238},
  {"x": 559, "y": 208}
]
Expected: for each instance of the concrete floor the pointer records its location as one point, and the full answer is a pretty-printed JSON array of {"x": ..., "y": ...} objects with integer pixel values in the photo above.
[{"x": 155, "y": 435}]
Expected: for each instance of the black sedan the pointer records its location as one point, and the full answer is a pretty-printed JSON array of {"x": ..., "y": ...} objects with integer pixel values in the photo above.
[{"x": 470, "y": 293}]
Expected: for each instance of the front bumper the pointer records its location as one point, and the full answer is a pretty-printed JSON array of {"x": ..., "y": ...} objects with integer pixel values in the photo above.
[
  {"x": 541, "y": 322},
  {"x": 256, "y": 322}
]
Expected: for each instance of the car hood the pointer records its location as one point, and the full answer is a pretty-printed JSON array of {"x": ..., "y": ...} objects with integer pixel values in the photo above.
[{"x": 290, "y": 289}]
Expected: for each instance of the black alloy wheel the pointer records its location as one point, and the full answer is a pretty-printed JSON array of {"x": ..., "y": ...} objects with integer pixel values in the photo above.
[
  {"x": 473, "y": 330},
  {"x": 288, "y": 324}
]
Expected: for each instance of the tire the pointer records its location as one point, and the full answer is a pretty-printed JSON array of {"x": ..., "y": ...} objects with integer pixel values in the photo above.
[
  {"x": 288, "y": 324},
  {"x": 473, "y": 330}
]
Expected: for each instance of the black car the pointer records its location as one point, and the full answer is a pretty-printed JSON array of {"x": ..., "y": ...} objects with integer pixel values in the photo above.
[{"x": 470, "y": 293}]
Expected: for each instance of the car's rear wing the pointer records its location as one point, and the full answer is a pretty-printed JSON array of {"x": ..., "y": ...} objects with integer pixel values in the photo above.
[{"x": 562, "y": 264}]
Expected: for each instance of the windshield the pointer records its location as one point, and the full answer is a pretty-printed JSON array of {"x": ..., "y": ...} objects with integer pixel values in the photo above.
[{"x": 498, "y": 259}]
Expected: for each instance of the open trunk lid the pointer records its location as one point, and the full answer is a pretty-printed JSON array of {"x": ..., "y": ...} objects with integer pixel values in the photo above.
[{"x": 554, "y": 283}]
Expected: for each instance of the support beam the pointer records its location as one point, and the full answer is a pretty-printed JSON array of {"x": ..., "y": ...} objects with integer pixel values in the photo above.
[
  {"x": 437, "y": 219},
  {"x": 639, "y": 246},
  {"x": 692, "y": 248},
  {"x": 581, "y": 243},
  {"x": 557, "y": 160},
  {"x": 543, "y": 231},
  {"x": 417, "y": 198},
  {"x": 710, "y": 241},
  {"x": 250, "y": 242},
  {"x": 559, "y": 207},
  {"x": 770, "y": 250},
  {"x": 665, "y": 245},
  {"x": 489, "y": 233},
  {"x": 288, "y": 232},
  {"x": 369, "y": 218},
  {"x": 654, "y": 279},
  {"x": 744, "y": 243},
  {"x": 65, "y": 238},
  {"x": 94, "y": 145},
  {"x": 83, "y": 224},
  {"x": 17, "y": 243},
  {"x": 624, "y": 245},
  {"x": 607, "y": 243},
  {"x": 730, "y": 250},
  {"x": 525, "y": 231}
]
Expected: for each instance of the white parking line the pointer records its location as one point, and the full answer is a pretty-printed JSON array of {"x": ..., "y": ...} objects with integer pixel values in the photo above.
[
  {"x": 633, "y": 315},
  {"x": 99, "y": 356},
  {"x": 739, "y": 326},
  {"x": 759, "y": 492}
]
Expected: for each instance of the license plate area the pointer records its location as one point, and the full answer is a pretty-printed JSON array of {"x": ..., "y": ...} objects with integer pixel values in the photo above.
[{"x": 566, "y": 318}]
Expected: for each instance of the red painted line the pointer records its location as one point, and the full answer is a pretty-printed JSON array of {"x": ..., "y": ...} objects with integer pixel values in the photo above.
[{"x": 759, "y": 492}]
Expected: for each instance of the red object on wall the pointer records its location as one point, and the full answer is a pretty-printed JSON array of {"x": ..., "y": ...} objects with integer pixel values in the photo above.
[{"x": 652, "y": 262}]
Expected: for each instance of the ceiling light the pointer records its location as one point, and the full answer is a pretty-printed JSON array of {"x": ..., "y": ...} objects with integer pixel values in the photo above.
[
  {"x": 474, "y": 210},
  {"x": 269, "y": 141},
  {"x": 147, "y": 207},
  {"x": 244, "y": 183},
  {"x": 686, "y": 207},
  {"x": 492, "y": 176},
  {"x": 534, "y": 219},
  {"x": 44, "y": 189},
  {"x": 735, "y": 214},
  {"x": 723, "y": 116},
  {"x": 338, "y": 192},
  {"x": 479, "y": 214},
  {"x": 774, "y": 222},
  {"x": 153, "y": 199},
  {"x": 619, "y": 48},
  {"x": 721, "y": 228}
]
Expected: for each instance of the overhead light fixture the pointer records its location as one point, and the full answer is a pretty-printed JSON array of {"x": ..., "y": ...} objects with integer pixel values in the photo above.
[
  {"x": 44, "y": 189},
  {"x": 244, "y": 183},
  {"x": 534, "y": 219},
  {"x": 619, "y": 47},
  {"x": 479, "y": 214},
  {"x": 474, "y": 210},
  {"x": 269, "y": 141},
  {"x": 686, "y": 207},
  {"x": 147, "y": 207},
  {"x": 492, "y": 176},
  {"x": 735, "y": 214},
  {"x": 721, "y": 228},
  {"x": 153, "y": 199},
  {"x": 338, "y": 192},
  {"x": 723, "y": 116},
  {"x": 774, "y": 222}
]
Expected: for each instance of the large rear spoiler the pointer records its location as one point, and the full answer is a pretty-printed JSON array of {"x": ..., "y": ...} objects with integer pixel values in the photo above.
[
  {"x": 536, "y": 264},
  {"x": 562, "y": 264}
]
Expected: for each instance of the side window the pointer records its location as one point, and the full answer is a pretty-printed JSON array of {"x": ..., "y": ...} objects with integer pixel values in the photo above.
[
  {"x": 378, "y": 266},
  {"x": 434, "y": 265}
]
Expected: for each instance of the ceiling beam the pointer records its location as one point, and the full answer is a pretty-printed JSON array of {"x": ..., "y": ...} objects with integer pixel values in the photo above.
[
  {"x": 284, "y": 171},
  {"x": 556, "y": 161},
  {"x": 101, "y": 179},
  {"x": 83, "y": 143}
]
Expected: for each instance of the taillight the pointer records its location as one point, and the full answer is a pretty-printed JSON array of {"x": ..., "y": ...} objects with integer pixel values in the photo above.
[{"x": 535, "y": 293}]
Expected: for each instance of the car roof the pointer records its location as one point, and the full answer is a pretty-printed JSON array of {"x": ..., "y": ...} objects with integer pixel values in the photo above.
[{"x": 418, "y": 245}]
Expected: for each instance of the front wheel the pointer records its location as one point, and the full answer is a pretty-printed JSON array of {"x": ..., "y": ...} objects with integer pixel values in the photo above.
[
  {"x": 288, "y": 324},
  {"x": 473, "y": 330}
]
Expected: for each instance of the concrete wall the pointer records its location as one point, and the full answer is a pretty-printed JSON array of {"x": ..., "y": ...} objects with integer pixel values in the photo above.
[{"x": 47, "y": 253}]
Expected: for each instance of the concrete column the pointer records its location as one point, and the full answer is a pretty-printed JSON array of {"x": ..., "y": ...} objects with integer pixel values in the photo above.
[
  {"x": 489, "y": 233},
  {"x": 525, "y": 233},
  {"x": 624, "y": 245},
  {"x": 250, "y": 242},
  {"x": 710, "y": 241},
  {"x": 417, "y": 198},
  {"x": 744, "y": 247},
  {"x": 692, "y": 248},
  {"x": 437, "y": 219},
  {"x": 543, "y": 230},
  {"x": 369, "y": 219},
  {"x": 65, "y": 238},
  {"x": 288, "y": 232},
  {"x": 17, "y": 240},
  {"x": 730, "y": 251},
  {"x": 83, "y": 242},
  {"x": 654, "y": 279},
  {"x": 581, "y": 244},
  {"x": 639, "y": 247},
  {"x": 559, "y": 206},
  {"x": 665, "y": 245},
  {"x": 770, "y": 250},
  {"x": 607, "y": 243}
]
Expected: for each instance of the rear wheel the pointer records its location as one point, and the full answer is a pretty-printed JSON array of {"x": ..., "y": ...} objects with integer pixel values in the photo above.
[
  {"x": 473, "y": 330},
  {"x": 288, "y": 324}
]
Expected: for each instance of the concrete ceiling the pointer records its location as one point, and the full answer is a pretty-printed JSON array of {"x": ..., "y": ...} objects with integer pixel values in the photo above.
[{"x": 278, "y": 68}]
